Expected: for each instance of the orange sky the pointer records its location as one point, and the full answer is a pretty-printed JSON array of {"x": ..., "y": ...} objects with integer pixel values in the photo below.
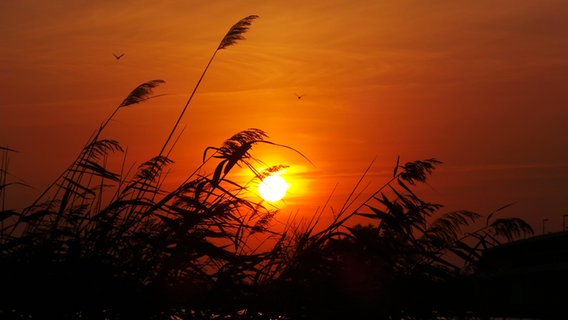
[{"x": 479, "y": 85}]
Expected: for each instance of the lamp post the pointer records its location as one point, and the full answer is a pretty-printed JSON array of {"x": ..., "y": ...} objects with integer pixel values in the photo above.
[
  {"x": 564, "y": 222},
  {"x": 543, "y": 224}
]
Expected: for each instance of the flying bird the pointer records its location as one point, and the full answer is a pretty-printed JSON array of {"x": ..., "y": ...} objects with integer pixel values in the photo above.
[
  {"x": 118, "y": 56},
  {"x": 299, "y": 95}
]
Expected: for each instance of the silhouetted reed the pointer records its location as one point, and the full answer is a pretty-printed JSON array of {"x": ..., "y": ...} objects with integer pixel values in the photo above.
[
  {"x": 234, "y": 34},
  {"x": 204, "y": 251}
]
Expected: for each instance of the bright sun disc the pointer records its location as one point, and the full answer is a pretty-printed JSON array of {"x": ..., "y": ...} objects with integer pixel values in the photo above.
[{"x": 272, "y": 188}]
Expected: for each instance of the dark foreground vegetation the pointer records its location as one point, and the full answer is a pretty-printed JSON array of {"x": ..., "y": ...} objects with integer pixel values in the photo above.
[{"x": 100, "y": 244}]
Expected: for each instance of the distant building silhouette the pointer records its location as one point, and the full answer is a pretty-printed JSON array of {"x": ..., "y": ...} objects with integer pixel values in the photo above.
[{"x": 525, "y": 278}]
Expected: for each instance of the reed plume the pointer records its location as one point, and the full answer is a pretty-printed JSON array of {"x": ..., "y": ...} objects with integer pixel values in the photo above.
[
  {"x": 140, "y": 94},
  {"x": 236, "y": 32}
]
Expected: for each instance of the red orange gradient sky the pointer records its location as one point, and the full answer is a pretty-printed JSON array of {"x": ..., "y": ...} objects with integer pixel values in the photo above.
[{"x": 479, "y": 85}]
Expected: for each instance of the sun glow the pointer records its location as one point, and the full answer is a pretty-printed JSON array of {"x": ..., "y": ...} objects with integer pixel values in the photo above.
[{"x": 273, "y": 188}]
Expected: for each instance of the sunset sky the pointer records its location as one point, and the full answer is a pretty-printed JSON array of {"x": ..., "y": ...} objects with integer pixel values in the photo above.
[{"x": 480, "y": 85}]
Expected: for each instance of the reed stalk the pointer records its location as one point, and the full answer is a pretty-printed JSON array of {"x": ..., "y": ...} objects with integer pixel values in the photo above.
[{"x": 234, "y": 34}]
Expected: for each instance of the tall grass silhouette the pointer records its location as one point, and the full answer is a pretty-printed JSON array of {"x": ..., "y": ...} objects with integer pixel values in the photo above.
[{"x": 205, "y": 251}]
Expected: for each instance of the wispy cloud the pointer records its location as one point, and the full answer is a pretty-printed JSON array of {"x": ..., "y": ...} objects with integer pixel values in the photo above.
[{"x": 504, "y": 167}]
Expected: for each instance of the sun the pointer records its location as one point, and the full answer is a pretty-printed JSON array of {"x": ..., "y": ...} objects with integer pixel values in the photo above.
[{"x": 273, "y": 188}]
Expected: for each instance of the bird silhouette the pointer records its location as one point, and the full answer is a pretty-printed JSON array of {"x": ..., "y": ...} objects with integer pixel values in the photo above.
[
  {"x": 118, "y": 56},
  {"x": 299, "y": 95}
]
